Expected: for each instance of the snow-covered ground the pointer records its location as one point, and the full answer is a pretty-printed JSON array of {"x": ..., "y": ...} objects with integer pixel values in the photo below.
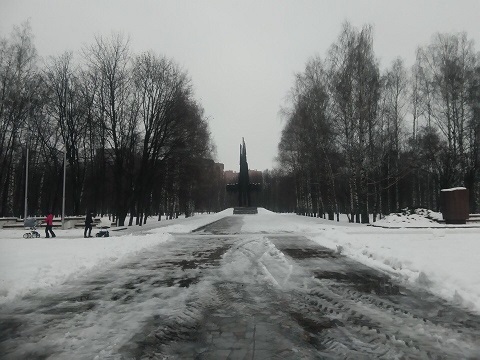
[
  {"x": 27, "y": 264},
  {"x": 444, "y": 260}
]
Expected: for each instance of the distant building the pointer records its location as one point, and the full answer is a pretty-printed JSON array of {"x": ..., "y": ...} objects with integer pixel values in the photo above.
[
  {"x": 255, "y": 176},
  {"x": 231, "y": 177},
  {"x": 219, "y": 167}
]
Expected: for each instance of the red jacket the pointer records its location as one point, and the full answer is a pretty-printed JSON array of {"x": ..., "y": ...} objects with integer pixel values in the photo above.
[{"x": 49, "y": 219}]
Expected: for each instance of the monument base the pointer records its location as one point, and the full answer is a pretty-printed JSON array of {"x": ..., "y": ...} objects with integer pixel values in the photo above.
[{"x": 245, "y": 210}]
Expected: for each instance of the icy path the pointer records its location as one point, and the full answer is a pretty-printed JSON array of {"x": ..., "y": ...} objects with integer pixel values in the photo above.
[{"x": 221, "y": 294}]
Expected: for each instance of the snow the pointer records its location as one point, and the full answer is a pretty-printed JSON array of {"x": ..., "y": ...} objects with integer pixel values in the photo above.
[
  {"x": 27, "y": 264},
  {"x": 30, "y": 263},
  {"x": 412, "y": 218},
  {"x": 443, "y": 259},
  {"x": 454, "y": 189}
]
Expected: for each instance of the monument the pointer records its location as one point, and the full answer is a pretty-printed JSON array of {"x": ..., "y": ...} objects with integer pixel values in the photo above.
[
  {"x": 454, "y": 205},
  {"x": 243, "y": 186}
]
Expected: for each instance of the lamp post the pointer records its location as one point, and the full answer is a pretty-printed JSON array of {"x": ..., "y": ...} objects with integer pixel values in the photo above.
[
  {"x": 26, "y": 188},
  {"x": 317, "y": 199},
  {"x": 63, "y": 197}
]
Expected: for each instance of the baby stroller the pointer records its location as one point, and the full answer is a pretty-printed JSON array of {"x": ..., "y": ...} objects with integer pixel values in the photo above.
[
  {"x": 32, "y": 225},
  {"x": 103, "y": 225}
]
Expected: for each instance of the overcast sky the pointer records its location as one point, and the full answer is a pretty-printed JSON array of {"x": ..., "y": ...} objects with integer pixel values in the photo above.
[{"x": 241, "y": 55}]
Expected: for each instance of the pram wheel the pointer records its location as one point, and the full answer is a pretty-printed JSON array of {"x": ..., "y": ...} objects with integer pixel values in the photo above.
[
  {"x": 26, "y": 236},
  {"x": 37, "y": 235}
]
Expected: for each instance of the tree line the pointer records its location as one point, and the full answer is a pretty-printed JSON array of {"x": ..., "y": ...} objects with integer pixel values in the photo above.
[
  {"x": 135, "y": 139},
  {"x": 361, "y": 140}
]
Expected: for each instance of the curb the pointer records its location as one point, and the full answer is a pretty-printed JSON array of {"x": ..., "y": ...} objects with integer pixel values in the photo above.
[{"x": 426, "y": 227}]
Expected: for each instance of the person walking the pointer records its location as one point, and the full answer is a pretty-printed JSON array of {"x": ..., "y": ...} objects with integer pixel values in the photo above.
[
  {"x": 49, "y": 227},
  {"x": 88, "y": 224}
]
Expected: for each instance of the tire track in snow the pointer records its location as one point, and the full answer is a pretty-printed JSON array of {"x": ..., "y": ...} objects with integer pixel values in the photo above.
[
  {"x": 244, "y": 317},
  {"x": 373, "y": 315},
  {"x": 97, "y": 315},
  {"x": 317, "y": 304},
  {"x": 245, "y": 296}
]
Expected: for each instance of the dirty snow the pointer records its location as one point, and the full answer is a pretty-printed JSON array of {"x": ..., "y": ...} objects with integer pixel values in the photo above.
[{"x": 445, "y": 260}]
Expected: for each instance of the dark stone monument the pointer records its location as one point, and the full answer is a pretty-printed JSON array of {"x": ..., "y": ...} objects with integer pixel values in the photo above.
[
  {"x": 455, "y": 205},
  {"x": 243, "y": 186}
]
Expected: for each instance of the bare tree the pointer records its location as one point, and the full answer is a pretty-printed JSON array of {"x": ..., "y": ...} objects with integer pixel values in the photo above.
[
  {"x": 117, "y": 110},
  {"x": 157, "y": 82},
  {"x": 66, "y": 109},
  {"x": 354, "y": 87},
  {"x": 447, "y": 66},
  {"x": 19, "y": 82},
  {"x": 394, "y": 107}
]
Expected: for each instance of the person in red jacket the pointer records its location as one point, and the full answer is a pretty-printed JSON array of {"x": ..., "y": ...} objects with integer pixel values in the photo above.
[{"x": 49, "y": 221}]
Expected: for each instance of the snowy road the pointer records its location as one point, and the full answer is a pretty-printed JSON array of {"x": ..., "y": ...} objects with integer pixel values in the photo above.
[{"x": 223, "y": 294}]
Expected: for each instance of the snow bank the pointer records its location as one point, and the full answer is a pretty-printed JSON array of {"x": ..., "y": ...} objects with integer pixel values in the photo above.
[
  {"x": 412, "y": 218},
  {"x": 270, "y": 222},
  {"x": 27, "y": 264},
  {"x": 443, "y": 260}
]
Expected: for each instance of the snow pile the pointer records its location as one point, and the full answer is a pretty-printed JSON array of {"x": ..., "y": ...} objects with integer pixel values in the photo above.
[
  {"x": 243, "y": 267},
  {"x": 411, "y": 218}
]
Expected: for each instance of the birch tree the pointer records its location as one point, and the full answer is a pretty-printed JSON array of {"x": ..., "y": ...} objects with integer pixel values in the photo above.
[{"x": 354, "y": 87}]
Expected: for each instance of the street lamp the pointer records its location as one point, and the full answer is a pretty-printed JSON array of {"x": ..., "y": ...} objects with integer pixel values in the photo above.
[
  {"x": 26, "y": 188},
  {"x": 64, "y": 151},
  {"x": 63, "y": 197}
]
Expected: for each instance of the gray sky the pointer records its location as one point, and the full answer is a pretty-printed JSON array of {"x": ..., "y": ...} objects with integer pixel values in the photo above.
[{"x": 241, "y": 55}]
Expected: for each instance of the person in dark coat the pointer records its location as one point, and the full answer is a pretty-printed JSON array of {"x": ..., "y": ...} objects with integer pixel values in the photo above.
[
  {"x": 88, "y": 224},
  {"x": 49, "y": 225}
]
